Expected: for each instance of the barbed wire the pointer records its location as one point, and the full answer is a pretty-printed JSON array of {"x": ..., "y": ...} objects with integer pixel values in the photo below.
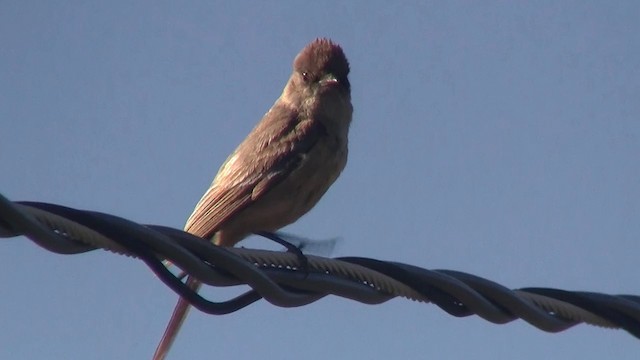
[{"x": 279, "y": 278}]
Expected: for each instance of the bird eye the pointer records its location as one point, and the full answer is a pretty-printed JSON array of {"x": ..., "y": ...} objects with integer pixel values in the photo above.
[{"x": 305, "y": 76}]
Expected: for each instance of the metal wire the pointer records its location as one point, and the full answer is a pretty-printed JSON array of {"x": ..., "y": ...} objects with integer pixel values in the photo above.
[{"x": 280, "y": 279}]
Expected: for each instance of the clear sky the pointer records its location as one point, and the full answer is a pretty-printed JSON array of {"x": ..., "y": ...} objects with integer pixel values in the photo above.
[{"x": 496, "y": 138}]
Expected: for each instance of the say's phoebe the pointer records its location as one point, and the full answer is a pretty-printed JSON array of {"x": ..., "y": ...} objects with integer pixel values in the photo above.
[{"x": 284, "y": 166}]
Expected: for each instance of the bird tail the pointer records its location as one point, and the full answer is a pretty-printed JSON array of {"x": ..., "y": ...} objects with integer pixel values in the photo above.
[{"x": 175, "y": 322}]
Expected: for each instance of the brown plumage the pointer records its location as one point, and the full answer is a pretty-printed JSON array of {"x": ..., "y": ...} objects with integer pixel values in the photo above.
[{"x": 284, "y": 166}]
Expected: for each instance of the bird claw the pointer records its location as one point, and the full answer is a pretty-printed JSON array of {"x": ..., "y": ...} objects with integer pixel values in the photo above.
[{"x": 291, "y": 248}]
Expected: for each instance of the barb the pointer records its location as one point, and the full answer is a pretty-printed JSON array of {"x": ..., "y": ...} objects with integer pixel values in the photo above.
[{"x": 277, "y": 278}]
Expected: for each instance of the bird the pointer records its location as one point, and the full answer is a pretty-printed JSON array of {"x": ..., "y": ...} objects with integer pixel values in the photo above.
[{"x": 284, "y": 165}]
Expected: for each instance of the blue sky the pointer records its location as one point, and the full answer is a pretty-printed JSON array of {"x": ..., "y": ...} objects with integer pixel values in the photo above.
[{"x": 495, "y": 138}]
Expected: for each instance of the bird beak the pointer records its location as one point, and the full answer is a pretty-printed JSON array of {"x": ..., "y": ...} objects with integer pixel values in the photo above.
[{"x": 329, "y": 80}]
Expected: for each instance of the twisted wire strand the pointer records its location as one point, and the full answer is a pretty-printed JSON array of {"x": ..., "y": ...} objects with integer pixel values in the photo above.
[{"x": 278, "y": 278}]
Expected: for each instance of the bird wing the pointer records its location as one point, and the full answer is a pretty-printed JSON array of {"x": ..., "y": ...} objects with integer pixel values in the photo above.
[{"x": 276, "y": 147}]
